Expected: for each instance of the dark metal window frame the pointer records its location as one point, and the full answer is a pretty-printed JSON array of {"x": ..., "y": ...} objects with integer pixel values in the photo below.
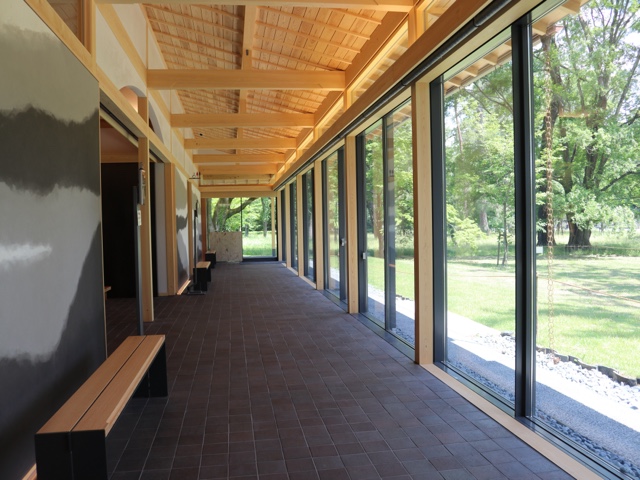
[
  {"x": 388, "y": 173},
  {"x": 308, "y": 223},
  {"x": 342, "y": 225},
  {"x": 293, "y": 212}
]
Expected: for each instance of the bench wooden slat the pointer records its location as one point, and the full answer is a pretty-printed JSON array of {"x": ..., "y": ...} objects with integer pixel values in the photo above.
[
  {"x": 203, "y": 264},
  {"x": 81, "y": 401},
  {"x": 106, "y": 409}
]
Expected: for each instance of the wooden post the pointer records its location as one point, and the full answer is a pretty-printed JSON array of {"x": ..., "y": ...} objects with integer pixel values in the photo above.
[
  {"x": 351, "y": 212},
  {"x": 145, "y": 229},
  {"x": 423, "y": 223},
  {"x": 87, "y": 26},
  {"x": 318, "y": 228},
  {"x": 170, "y": 228}
]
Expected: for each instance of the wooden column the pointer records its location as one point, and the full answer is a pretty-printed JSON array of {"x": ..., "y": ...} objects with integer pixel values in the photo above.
[
  {"x": 423, "y": 223},
  {"x": 351, "y": 212},
  {"x": 170, "y": 228},
  {"x": 299, "y": 215},
  {"x": 87, "y": 26},
  {"x": 145, "y": 229},
  {"x": 287, "y": 220},
  {"x": 318, "y": 227}
]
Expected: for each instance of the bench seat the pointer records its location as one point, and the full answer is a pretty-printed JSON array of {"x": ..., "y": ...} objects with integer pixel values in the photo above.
[{"x": 72, "y": 444}]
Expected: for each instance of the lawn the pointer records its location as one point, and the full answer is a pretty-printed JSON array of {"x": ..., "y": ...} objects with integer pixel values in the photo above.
[
  {"x": 596, "y": 299},
  {"x": 596, "y": 302},
  {"x": 257, "y": 245}
]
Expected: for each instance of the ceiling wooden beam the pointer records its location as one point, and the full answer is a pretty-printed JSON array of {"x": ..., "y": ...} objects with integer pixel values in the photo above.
[
  {"x": 244, "y": 170},
  {"x": 245, "y": 79},
  {"x": 378, "y": 5},
  {"x": 235, "y": 143},
  {"x": 242, "y": 120},
  {"x": 236, "y": 177},
  {"x": 230, "y": 191},
  {"x": 266, "y": 158}
]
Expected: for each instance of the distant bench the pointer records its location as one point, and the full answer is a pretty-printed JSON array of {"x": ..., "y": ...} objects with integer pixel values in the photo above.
[
  {"x": 72, "y": 444},
  {"x": 202, "y": 273},
  {"x": 210, "y": 256}
]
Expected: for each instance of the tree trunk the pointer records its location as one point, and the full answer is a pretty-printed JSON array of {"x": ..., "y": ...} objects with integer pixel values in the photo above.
[
  {"x": 578, "y": 237},
  {"x": 483, "y": 222}
]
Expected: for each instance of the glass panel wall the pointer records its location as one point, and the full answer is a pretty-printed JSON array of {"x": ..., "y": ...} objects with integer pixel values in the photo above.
[
  {"x": 385, "y": 175},
  {"x": 282, "y": 225},
  {"x": 308, "y": 217},
  {"x": 294, "y": 224},
  {"x": 588, "y": 188},
  {"x": 372, "y": 234},
  {"x": 257, "y": 232},
  {"x": 334, "y": 221},
  {"x": 537, "y": 133},
  {"x": 400, "y": 207},
  {"x": 479, "y": 205}
]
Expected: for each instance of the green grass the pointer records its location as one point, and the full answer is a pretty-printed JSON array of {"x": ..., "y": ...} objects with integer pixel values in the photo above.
[
  {"x": 596, "y": 300},
  {"x": 257, "y": 245}
]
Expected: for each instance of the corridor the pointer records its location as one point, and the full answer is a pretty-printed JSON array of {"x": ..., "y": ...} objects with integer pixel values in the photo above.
[{"x": 269, "y": 379}]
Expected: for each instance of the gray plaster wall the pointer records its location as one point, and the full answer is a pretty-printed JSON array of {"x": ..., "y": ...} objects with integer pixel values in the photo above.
[{"x": 52, "y": 331}]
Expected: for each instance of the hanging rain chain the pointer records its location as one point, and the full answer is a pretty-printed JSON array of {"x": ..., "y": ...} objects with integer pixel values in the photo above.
[{"x": 549, "y": 205}]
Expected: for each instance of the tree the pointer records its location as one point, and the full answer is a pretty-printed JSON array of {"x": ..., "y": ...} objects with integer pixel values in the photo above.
[
  {"x": 593, "y": 73},
  {"x": 224, "y": 209}
]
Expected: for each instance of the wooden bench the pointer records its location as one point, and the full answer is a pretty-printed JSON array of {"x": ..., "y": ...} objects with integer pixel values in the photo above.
[
  {"x": 72, "y": 444},
  {"x": 210, "y": 256},
  {"x": 202, "y": 273}
]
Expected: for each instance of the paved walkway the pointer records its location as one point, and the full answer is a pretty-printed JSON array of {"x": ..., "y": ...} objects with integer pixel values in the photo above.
[{"x": 271, "y": 380}]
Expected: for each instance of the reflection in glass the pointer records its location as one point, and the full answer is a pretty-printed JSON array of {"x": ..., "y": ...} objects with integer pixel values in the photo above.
[
  {"x": 374, "y": 222},
  {"x": 586, "y": 91},
  {"x": 309, "y": 245},
  {"x": 400, "y": 208},
  {"x": 294, "y": 224},
  {"x": 334, "y": 214},
  {"x": 479, "y": 171}
]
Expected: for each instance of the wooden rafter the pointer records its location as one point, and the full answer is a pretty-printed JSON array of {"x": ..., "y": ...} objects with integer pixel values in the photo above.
[
  {"x": 237, "y": 143},
  {"x": 242, "y": 120},
  {"x": 245, "y": 170},
  {"x": 376, "y": 5},
  {"x": 239, "y": 158},
  {"x": 245, "y": 79}
]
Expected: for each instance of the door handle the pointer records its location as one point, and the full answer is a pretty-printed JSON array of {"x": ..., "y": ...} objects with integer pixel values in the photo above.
[
  {"x": 343, "y": 242},
  {"x": 363, "y": 255}
]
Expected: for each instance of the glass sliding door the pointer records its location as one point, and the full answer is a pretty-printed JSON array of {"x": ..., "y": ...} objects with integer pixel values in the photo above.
[
  {"x": 370, "y": 176},
  {"x": 535, "y": 146},
  {"x": 282, "y": 225},
  {"x": 308, "y": 225},
  {"x": 586, "y": 86},
  {"x": 335, "y": 228},
  {"x": 400, "y": 257},
  {"x": 480, "y": 218},
  {"x": 385, "y": 177},
  {"x": 293, "y": 212}
]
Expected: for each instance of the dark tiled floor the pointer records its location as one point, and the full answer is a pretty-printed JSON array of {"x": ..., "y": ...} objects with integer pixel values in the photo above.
[{"x": 271, "y": 380}]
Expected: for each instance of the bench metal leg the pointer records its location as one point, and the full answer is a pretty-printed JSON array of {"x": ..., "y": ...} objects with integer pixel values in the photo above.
[
  {"x": 53, "y": 456},
  {"x": 89, "y": 455}
]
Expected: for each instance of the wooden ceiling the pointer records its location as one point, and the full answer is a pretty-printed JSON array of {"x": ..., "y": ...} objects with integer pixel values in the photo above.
[{"x": 258, "y": 79}]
